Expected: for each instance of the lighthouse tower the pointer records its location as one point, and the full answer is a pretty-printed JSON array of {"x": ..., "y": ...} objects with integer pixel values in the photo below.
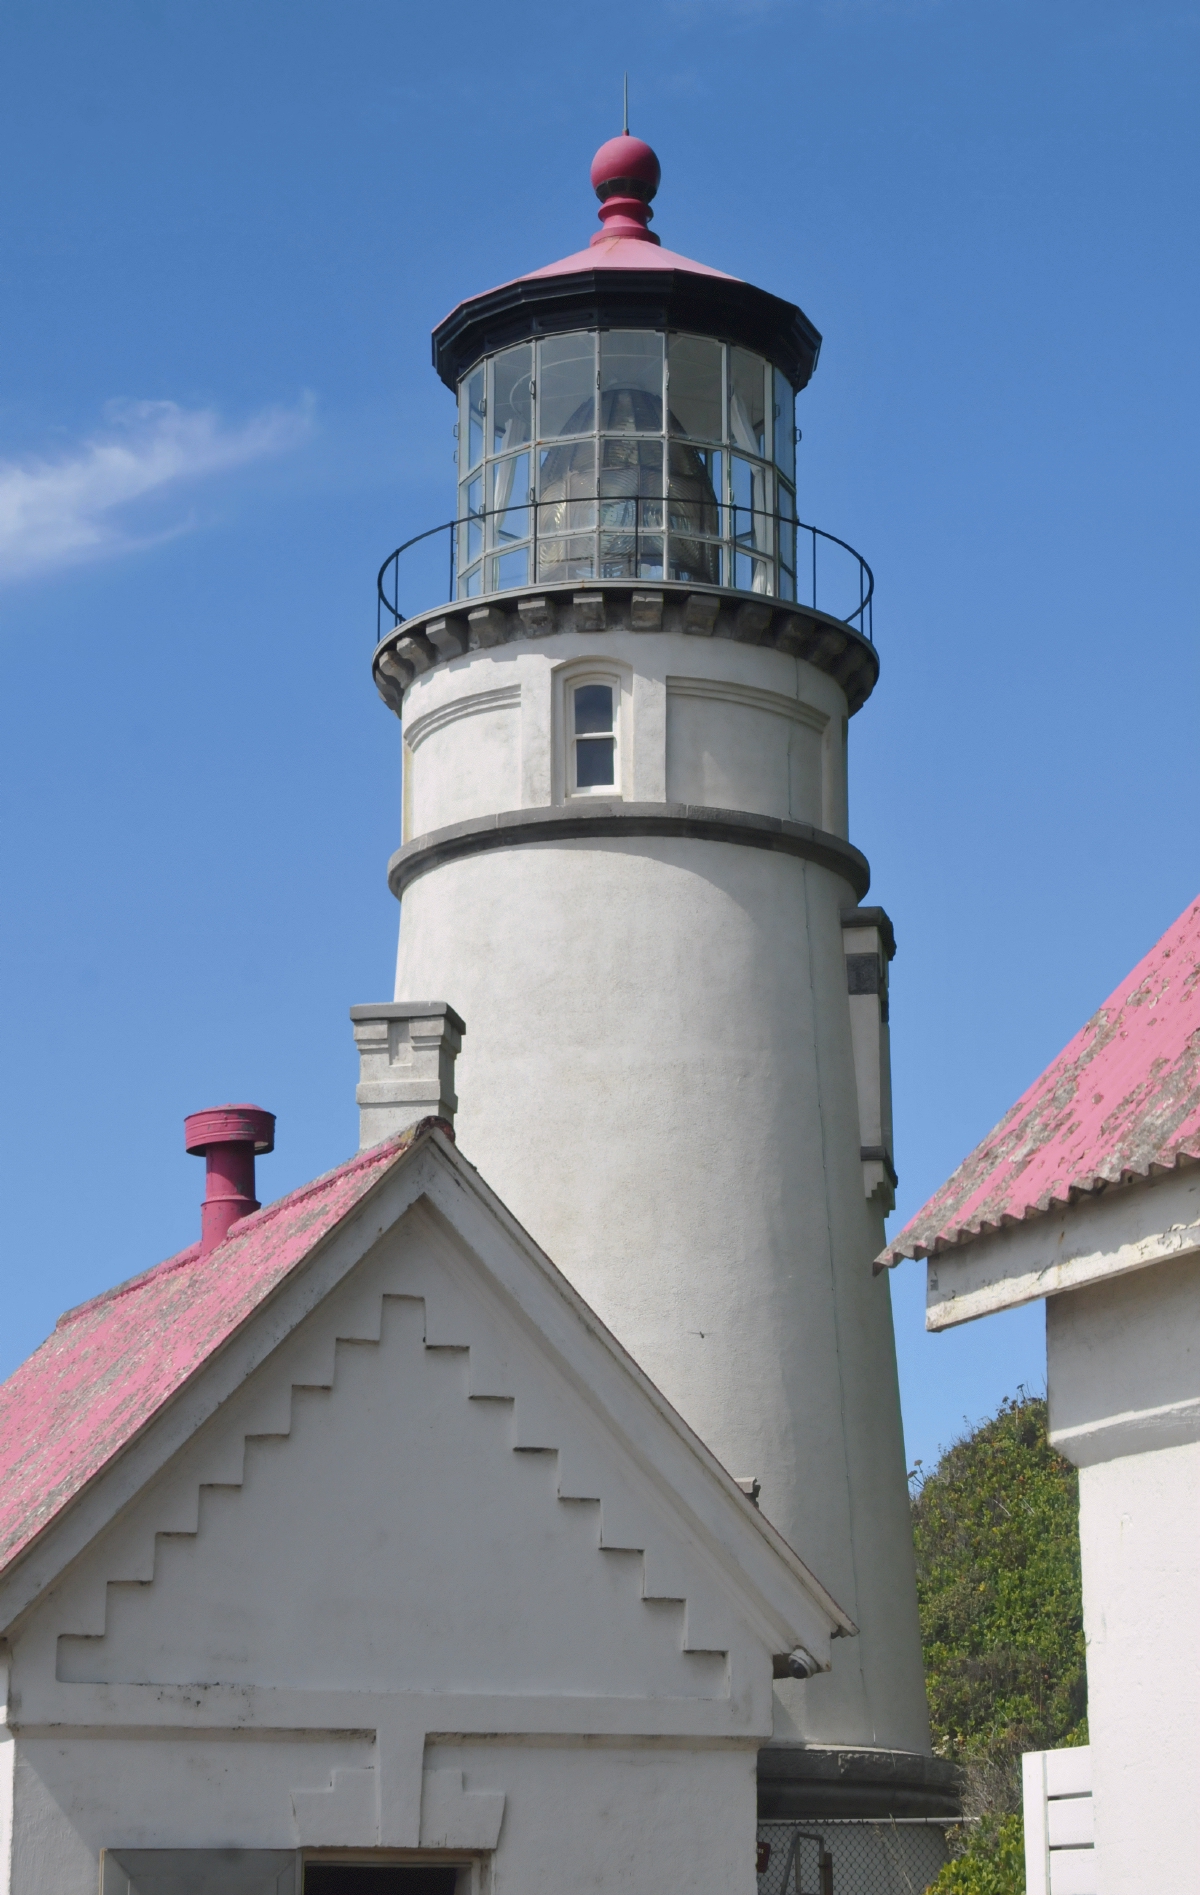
[{"x": 626, "y": 864}]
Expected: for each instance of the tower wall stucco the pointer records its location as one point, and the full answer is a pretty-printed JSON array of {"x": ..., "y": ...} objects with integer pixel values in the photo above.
[{"x": 658, "y": 1078}]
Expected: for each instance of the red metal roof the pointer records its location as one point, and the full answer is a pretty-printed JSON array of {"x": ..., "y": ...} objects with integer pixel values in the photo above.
[
  {"x": 112, "y": 1364},
  {"x": 1122, "y": 1100},
  {"x": 623, "y": 253}
]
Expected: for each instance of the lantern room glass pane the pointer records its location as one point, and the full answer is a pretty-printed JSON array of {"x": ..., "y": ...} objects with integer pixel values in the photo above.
[
  {"x": 748, "y": 401},
  {"x": 631, "y": 381},
  {"x": 751, "y": 504},
  {"x": 510, "y": 570},
  {"x": 562, "y": 562},
  {"x": 785, "y": 425},
  {"x": 512, "y": 398},
  {"x": 694, "y": 489},
  {"x": 694, "y": 393},
  {"x": 566, "y": 385},
  {"x": 631, "y": 483},
  {"x": 470, "y": 430},
  {"x": 511, "y": 486},
  {"x": 567, "y": 478}
]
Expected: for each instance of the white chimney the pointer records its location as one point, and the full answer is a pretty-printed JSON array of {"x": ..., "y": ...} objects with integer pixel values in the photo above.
[{"x": 407, "y": 1050}]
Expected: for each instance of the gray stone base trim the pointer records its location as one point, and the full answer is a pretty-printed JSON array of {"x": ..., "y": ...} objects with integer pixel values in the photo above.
[
  {"x": 814, "y": 1781},
  {"x": 446, "y": 632},
  {"x": 586, "y": 822}
]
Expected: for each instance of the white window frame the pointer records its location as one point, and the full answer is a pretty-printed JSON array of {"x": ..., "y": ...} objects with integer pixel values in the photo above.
[{"x": 569, "y": 678}]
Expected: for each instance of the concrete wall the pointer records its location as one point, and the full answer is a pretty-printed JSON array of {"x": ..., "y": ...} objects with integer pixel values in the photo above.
[
  {"x": 1124, "y": 1375},
  {"x": 658, "y": 1079}
]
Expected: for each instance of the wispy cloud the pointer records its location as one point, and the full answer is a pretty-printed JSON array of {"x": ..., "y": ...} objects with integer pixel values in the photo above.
[{"x": 75, "y": 507}]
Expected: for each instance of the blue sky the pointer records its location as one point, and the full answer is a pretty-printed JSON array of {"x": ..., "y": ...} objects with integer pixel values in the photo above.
[{"x": 225, "y": 233}]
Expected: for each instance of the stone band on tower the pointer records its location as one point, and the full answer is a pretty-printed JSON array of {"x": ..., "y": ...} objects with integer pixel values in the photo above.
[{"x": 626, "y": 862}]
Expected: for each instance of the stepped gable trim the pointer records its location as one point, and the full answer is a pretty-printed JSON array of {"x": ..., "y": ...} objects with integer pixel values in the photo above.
[
  {"x": 723, "y": 307},
  {"x": 1120, "y": 1103},
  {"x": 226, "y": 1316},
  {"x": 587, "y": 822},
  {"x": 447, "y": 632},
  {"x": 611, "y": 1535},
  {"x": 99, "y": 1380}
]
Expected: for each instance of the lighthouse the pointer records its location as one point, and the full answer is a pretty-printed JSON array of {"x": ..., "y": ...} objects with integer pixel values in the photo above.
[{"x": 626, "y": 865}]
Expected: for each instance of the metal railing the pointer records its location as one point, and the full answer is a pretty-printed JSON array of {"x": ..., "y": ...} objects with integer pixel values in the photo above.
[{"x": 654, "y": 520}]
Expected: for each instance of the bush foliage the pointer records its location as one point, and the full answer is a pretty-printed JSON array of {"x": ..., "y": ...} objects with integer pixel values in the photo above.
[{"x": 996, "y": 1526}]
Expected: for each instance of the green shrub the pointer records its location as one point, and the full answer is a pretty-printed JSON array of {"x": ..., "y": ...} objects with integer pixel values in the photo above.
[
  {"x": 992, "y": 1863},
  {"x": 996, "y": 1528}
]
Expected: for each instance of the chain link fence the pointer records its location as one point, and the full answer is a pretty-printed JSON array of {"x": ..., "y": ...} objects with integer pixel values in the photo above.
[{"x": 884, "y": 1857}]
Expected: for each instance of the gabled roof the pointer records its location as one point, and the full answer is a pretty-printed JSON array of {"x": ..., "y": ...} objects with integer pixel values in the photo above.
[
  {"x": 113, "y": 1363},
  {"x": 1120, "y": 1102},
  {"x": 127, "y": 1378}
]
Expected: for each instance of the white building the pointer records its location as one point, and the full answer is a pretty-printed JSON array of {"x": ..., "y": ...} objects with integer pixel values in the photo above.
[
  {"x": 359, "y": 1551},
  {"x": 357, "y": 1540},
  {"x": 1087, "y": 1194}
]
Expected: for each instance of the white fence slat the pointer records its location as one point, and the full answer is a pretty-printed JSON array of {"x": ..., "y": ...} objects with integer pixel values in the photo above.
[
  {"x": 1070, "y": 1823},
  {"x": 1037, "y": 1849},
  {"x": 1073, "y": 1872},
  {"x": 1068, "y": 1772}
]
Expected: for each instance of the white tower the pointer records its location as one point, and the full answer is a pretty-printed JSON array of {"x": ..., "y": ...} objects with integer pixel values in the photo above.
[{"x": 626, "y": 864}]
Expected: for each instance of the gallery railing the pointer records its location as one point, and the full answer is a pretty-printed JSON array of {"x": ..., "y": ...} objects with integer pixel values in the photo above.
[{"x": 633, "y": 529}]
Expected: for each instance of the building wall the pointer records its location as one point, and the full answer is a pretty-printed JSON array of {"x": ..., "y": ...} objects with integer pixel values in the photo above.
[
  {"x": 407, "y": 1522},
  {"x": 1124, "y": 1374},
  {"x": 658, "y": 1078},
  {"x": 574, "y": 1819}
]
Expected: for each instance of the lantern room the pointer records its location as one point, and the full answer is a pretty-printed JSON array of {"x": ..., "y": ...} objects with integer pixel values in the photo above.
[
  {"x": 629, "y": 414},
  {"x": 626, "y": 454}
]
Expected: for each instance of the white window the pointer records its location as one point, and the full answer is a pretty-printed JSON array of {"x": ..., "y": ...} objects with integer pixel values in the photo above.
[{"x": 592, "y": 705}]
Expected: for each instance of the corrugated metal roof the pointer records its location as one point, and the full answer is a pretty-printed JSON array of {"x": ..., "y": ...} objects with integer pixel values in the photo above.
[
  {"x": 112, "y": 1364},
  {"x": 1122, "y": 1100}
]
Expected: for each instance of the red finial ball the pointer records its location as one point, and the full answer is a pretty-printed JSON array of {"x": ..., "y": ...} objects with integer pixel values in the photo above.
[{"x": 628, "y": 162}]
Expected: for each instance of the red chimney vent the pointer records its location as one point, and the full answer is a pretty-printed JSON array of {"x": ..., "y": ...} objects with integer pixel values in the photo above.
[{"x": 228, "y": 1137}]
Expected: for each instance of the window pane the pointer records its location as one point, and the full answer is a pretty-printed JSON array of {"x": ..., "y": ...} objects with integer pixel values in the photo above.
[
  {"x": 785, "y": 425},
  {"x": 697, "y": 561},
  {"x": 567, "y": 477},
  {"x": 510, "y": 569},
  {"x": 593, "y": 762},
  {"x": 694, "y": 489},
  {"x": 631, "y": 485},
  {"x": 563, "y": 561},
  {"x": 470, "y": 420},
  {"x": 566, "y": 389},
  {"x": 694, "y": 389},
  {"x": 751, "y": 504},
  {"x": 751, "y": 575},
  {"x": 747, "y": 401},
  {"x": 593, "y": 708},
  {"x": 470, "y": 507},
  {"x": 631, "y": 381},
  {"x": 510, "y": 494},
  {"x": 512, "y": 398}
]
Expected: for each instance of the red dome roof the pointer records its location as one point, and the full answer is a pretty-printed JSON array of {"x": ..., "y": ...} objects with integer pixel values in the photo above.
[
  {"x": 626, "y": 160},
  {"x": 625, "y": 279}
]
